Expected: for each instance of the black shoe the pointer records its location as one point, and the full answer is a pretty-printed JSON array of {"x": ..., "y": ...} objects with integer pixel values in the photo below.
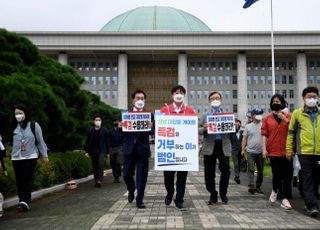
[
  {"x": 251, "y": 190},
  {"x": 141, "y": 206},
  {"x": 237, "y": 179},
  {"x": 313, "y": 212},
  {"x": 168, "y": 199},
  {"x": 213, "y": 200},
  {"x": 97, "y": 184},
  {"x": 224, "y": 200},
  {"x": 179, "y": 205},
  {"x": 258, "y": 190},
  {"x": 130, "y": 197}
]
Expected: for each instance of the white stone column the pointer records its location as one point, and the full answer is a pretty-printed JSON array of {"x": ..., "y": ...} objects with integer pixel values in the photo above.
[
  {"x": 242, "y": 87},
  {"x": 63, "y": 58},
  {"x": 122, "y": 81},
  {"x": 301, "y": 79},
  {"x": 183, "y": 73}
]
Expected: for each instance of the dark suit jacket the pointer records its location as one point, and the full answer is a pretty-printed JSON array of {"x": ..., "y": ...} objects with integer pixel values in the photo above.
[
  {"x": 103, "y": 141},
  {"x": 235, "y": 142},
  {"x": 138, "y": 139}
]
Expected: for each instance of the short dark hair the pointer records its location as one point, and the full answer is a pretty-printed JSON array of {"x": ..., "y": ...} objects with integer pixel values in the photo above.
[
  {"x": 138, "y": 91},
  {"x": 96, "y": 115},
  {"x": 180, "y": 87},
  {"x": 281, "y": 99},
  {"x": 237, "y": 120},
  {"x": 310, "y": 89},
  {"x": 214, "y": 92}
]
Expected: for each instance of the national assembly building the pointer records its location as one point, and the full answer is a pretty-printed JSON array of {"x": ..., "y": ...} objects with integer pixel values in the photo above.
[{"x": 154, "y": 48}]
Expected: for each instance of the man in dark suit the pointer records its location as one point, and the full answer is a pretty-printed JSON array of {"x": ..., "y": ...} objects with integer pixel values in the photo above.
[
  {"x": 136, "y": 153},
  {"x": 97, "y": 147},
  {"x": 236, "y": 140}
]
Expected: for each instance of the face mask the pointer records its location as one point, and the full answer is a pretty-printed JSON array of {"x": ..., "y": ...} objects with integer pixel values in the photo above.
[
  {"x": 276, "y": 107},
  {"x": 139, "y": 104},
  {"x": 20, "y": 117},
  {"x": 259, "y": 117},
  {"x": 178, "y": 98},
  {"x": 97, "y": 123},
  {"x": 215, "y": 103},
  {"x": 311, "y": 102}
]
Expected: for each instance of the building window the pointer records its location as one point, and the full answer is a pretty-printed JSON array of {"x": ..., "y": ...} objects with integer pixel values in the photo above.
[
  {"x": 227, "y": 80},
  {"x": 100, "y": 66},
  {"x": 107, "y": 94},
  {"x": 291, "y": 81},
  {"x": 213, "y": 66},
  {"x": 79, "y": 66},
  {"x": 100, "y": 93},
  {"x": 107, "y": 81},
  {"x": 192, "y": 66},
  {"x": 206, "y": 80},
  {"x": 234, "y": 94},
  {"x": 248, "y": 65},
  {"x": 220, "y": 65},
  {"x": 291, "y": 93},
  {"x": 234, "y": 66},
  {"x": 192, "y": 94},
  {"x": 100, "y": 79},
  {"x": 284, "y": 93},
  {"x": 206, "y": 66},
  {"x": 255, "y": 80},
  {"x": 311, "y": 80},
  {"x": 255, "y": 94},
  {"x": 199, "y": 93},
  {"x": 249, "y": 94},
  {"x": 283, "y": 65},
  {"x": 262, "y": 80},
  {"x": 228, "y": 67},
  {"x": 108, "y": 68},
  {"x": 290, "y": 64},
  {"x": 114, "y": 66},
  {"x": 114, "y": 95},
  {"x": 199, "y": 80},
  {"x": 192, "y": 80},
  {"x": 227, "y": 94},
  {"x": 94, "y": 66},
  {"x": 205, "y": 94},
  {"x": 234, "y": 80},
  {"x": 277, "y": 79},
  {"x": 291, "y": 107},
  {"x": 269, "y": 79},
  {"x": 213, "y": 80},
  {"x": 269, "y": 94},
  {"x": 248, "y": 80},
  {"x": 114, "y": 80},
  {"x": 284, "y": 79},
  {"x": 86, "y": 66},
  {"x": 318, "y": 79},
  {"x": 263, "y": 65},
  {"x": 262, "y": 94},
  {"x": 220, "y": 80},
  {"x": 255, "y": 65},
  {"x": 235, "y": 108},
  {"x": 227, "y": 108},
  {"x": 93, "y": 80},
  {"x": 199, "y": 66},
  {"x": 86, "y": 80}
]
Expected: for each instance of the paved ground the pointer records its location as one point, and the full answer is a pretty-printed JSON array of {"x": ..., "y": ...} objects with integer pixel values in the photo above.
[{"x": 107, "y": 208}]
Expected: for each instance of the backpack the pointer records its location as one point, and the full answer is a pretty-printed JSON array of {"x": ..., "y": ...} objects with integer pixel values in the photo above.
[{"x": 33, "y": 130}]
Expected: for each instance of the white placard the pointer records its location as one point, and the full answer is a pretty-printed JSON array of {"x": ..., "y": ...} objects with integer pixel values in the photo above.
[
  {"x": 176, "y": 143},
  {"x": 136, "y": 121},
  {"x": 221, "y": 123}
]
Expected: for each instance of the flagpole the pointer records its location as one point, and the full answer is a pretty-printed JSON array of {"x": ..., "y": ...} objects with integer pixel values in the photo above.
[{"x": 272, "y": 54}]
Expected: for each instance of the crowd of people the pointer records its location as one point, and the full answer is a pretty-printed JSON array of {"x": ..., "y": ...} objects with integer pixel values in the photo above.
[{"x": 278, "y": 137}]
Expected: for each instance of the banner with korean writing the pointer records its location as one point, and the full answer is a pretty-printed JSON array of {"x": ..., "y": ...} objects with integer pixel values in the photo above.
[
  {"x": 136, "y": 121},
  {"x": 176, "y": 143},
  {"x": 221, "y": 123}
]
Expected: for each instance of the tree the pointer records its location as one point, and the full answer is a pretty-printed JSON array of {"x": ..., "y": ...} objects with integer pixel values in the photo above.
[{"x": 50, "y": 90}]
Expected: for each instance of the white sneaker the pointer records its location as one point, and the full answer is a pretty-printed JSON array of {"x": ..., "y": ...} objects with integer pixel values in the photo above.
[
  {"x": 273, "y": 196},
  {"x": 286, "y": 204}
]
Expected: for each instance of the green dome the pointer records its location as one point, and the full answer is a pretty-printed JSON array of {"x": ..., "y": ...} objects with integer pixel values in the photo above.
[{"x": 156, "y": 18}]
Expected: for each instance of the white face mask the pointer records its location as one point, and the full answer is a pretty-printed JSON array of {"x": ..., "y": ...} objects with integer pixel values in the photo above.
[
  {"x": 139, "y": 104},
  {"x": 259, "y": 117},
  {"x": 20, "y": 117},
  {"x": 311, "y": 102},
  {"x": 97, "y": 123},
  {"x": 178, "y": 98},
  {"x": 215, "y": 103}
]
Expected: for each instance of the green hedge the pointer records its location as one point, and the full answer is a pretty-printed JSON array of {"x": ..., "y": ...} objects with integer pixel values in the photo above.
[{"x": 62, "y": 167}]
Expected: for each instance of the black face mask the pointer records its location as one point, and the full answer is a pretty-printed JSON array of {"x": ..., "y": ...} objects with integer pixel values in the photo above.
[{"x": 275, "y": 107}]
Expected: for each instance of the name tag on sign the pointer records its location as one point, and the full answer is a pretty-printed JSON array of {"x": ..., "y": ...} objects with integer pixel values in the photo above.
[
  {"x": 136, "y": 121},
  {"x": 221, "y": 123}
]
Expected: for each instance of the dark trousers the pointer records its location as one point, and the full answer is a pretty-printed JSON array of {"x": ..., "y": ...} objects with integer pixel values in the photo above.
[
  {"x": 24, "y": 171},
  {"x": 309, "y": 169},
  {"x": 281, "y": 175},
  {"x": 255, "y": 160},
  {"x": 180, "y": 185},
  {"x": 210, "y": 172},
  {"x": 97, "y": 166},
  {"x": 236, "y": 157},
  {"x": 115, "y": 162},
  {"x": 140, "y": 163}
]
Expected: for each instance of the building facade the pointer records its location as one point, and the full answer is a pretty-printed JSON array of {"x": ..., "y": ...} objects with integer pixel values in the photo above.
[{"x": 141, "y": 49}]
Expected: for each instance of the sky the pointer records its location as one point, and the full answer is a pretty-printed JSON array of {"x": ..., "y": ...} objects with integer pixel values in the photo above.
[{"x": 219, "y": 15}]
